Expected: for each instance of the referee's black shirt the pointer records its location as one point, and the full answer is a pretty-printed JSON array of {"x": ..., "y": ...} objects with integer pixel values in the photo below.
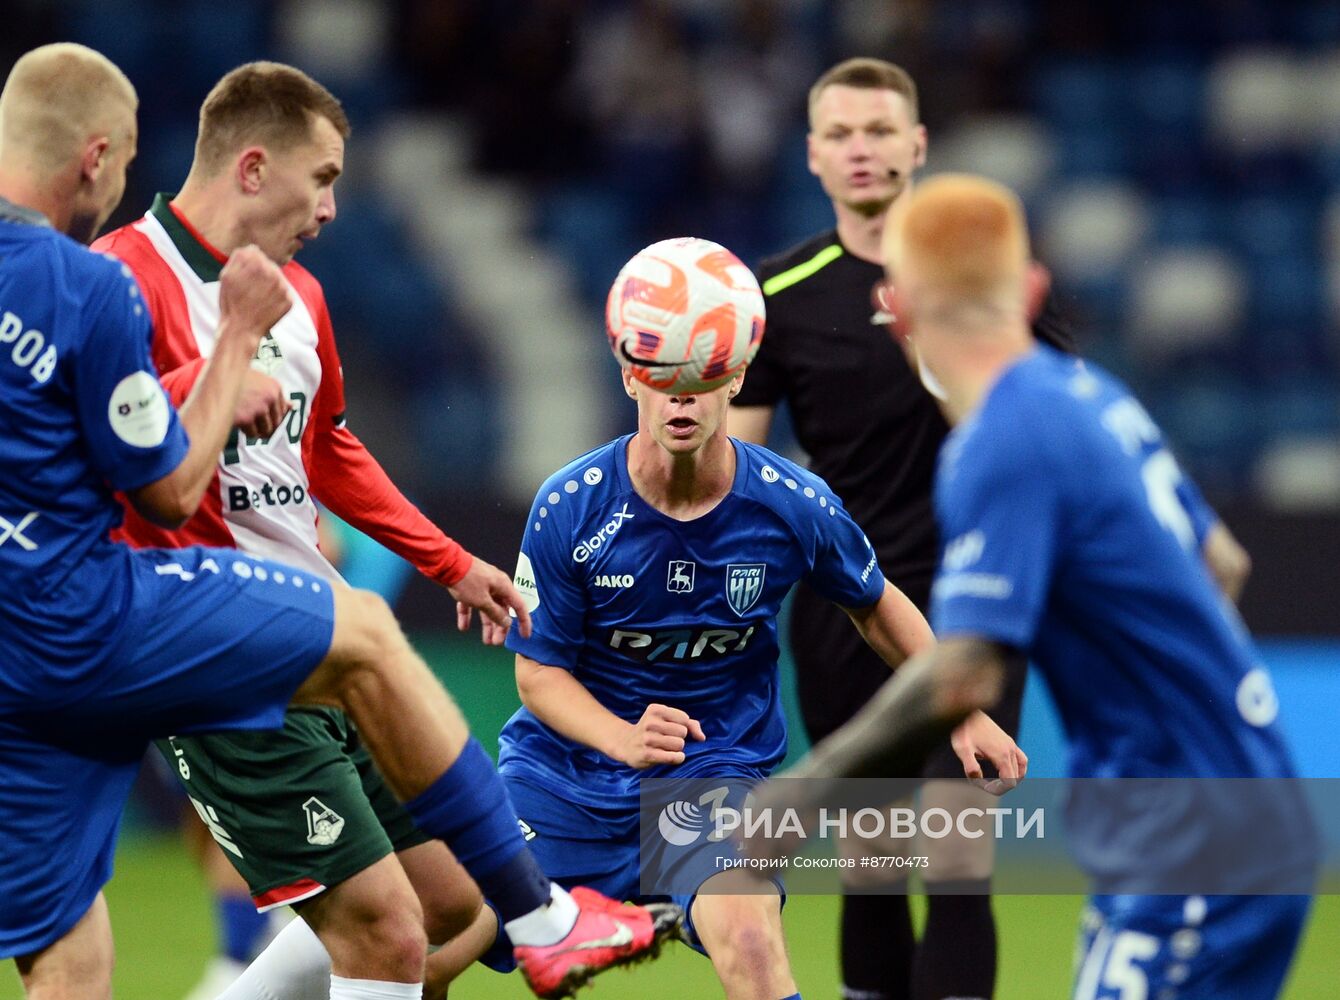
[{"x": 871, "y": 430}]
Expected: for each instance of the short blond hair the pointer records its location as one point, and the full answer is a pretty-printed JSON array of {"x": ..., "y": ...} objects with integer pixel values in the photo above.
[
  {"x": 865, "y": 73},
  {"x": 263, "y": 103},
  {"x": 961, "y": 241},
  {"x": 59, "y": 96}
]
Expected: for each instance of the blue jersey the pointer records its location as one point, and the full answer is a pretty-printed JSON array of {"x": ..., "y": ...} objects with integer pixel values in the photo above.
[
  {"x": 81, "y": 414},
  {"x": 642, "y": 608},
  {"x": 1070, "y": 533}
]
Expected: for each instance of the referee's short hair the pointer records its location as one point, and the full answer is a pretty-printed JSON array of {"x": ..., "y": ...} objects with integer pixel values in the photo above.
[
  {"x": 868, "y": 74},
  {"x": 265, "y": 103}
]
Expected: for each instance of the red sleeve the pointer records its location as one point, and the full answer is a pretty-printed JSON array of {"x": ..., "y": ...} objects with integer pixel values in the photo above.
[
  {"x": 348, "y": 480},
  {"x": 180, "y": 381}
]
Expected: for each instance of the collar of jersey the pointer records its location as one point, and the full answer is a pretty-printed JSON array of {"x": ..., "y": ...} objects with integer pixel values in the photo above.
[
  {"x": 10, "y": 212},
  {"x": 203, "y": 258},
  {"x": 626, "y": 481}
]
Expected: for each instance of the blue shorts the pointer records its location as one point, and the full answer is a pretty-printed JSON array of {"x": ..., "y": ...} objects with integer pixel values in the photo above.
[
  {"x": 577, "y": 844},
  {"x": 212, "y": 639},
  {"x": 1188, "y": 947}
]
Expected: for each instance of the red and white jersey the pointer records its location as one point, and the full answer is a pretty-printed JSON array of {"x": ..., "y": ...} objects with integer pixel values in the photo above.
[{"x": 262, "y": 497}]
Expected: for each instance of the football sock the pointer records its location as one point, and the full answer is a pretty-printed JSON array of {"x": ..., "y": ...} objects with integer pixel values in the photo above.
[
  {"x": 877, "y": 947},
  {"x": 369, "y": 989},
  {"x": 469, "y": 809},
  {"x": 295, "y": 966},
  {"x": 240, "y": 926},
  {"x": 793, "y": 996},
  {"x": 547, "y": 924},
  {"x": 957, "y": 957}
]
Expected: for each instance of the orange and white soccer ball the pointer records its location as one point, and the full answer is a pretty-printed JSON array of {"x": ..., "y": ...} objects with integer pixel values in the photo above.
[{"x": 684, "y": 316}]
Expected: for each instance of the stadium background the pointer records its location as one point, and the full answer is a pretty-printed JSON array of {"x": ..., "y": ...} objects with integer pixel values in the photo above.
[{"x": 1180, "y": 163}]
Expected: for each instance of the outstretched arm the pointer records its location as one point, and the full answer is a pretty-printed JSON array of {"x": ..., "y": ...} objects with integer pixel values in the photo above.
[{"x": 915, "y": 710}]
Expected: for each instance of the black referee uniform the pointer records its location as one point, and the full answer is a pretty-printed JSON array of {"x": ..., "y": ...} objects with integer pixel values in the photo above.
[{"x": 872, "y": 432}]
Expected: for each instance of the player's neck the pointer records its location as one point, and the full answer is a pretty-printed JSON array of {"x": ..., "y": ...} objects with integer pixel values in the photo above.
[
  {"x": 861, "y": 233},
  {"x": 209, "y": 213},
  {"x": 683, "y": 486},
  {"x": 978, "y": 368},
  {"x": 19, "y": 187}
]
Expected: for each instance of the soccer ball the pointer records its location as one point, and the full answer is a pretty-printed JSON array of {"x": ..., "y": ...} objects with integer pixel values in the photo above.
[{"x": 684, "y": 316}]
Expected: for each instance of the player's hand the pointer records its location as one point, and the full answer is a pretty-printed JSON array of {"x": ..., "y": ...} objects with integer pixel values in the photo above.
[
  {"x": 658, "y": 737},
  {"x": 978, "y": 738},
  {"x": 253, "y": 296},
  {"x": 261, "y": 407},
  {"x": 490, "y": 591}
]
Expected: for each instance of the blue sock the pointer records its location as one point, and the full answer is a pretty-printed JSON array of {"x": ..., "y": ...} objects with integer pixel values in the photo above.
[
  {"x": 793, "y": 996},
  {"x": 240, "y": 926},
  {"x": 469, "y": 809}
]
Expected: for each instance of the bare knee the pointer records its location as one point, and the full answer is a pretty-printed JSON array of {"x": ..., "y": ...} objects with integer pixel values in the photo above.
[
  {"x": 375, "y": 935},
  {"x": 366, "y": 639},
  {"x": 76, "y": 967}
]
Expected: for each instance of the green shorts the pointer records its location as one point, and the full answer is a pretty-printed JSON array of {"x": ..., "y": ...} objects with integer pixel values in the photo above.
[{"x": 296, "y": 810}]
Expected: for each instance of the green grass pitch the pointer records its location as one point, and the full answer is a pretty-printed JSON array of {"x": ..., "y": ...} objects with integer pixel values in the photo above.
[{"x": 163, "y": 933}]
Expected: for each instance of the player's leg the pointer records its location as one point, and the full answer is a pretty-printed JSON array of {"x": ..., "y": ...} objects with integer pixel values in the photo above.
[
  {"x": 290, "y": 810},
  {"x": 958, "y": 902},
  {"x": 874, "y": 901},
  {"x": 958, "y": 876},
  {"x": 448, "y": 896},
  {"x": 836, "y": 674},
  {"x": 76, "y": 967},
  {"x": 737, "y": 916}
]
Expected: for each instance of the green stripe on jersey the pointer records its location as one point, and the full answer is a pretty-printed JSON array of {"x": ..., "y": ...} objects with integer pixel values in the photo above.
[{"x": 800, "y": 272}]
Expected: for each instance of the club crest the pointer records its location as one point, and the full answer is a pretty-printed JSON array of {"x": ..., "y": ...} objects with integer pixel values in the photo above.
[{"x": 744, "y": 584}]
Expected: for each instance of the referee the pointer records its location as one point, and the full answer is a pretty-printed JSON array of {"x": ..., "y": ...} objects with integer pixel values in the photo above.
[{"x": 873, "y": 433}]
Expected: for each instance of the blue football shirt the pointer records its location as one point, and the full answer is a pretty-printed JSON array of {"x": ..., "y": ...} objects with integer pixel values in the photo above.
[
  {"x": 642, "y": 608},
  {"x": 1070, "y": 533},
  {"x": 81, "y": 415}
]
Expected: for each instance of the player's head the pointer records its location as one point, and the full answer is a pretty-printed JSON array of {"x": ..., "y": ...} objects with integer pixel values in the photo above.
[
  {"x": 277, "y": 137},
  {"x": 681, "y": 423},
  {"x": 866, "y": 138},
  {"x": 67, "y": 125},
  {"x": 958, "y": 263}
]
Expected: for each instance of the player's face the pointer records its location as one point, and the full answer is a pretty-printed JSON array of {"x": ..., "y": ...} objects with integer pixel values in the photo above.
[
  {"x": 298, "y": 195},
  {"x": 681, "y": 423},
  {"x": 864, "y": 147}
]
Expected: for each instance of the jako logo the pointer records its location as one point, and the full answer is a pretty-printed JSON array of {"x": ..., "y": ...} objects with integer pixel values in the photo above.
[
  {"x": 241, "y": 498},
  {"x": 585, "y": 550},
  {"x": 616, "y": 580}
]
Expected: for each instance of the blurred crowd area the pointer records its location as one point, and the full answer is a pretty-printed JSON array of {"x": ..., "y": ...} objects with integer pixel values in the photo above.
[{"x": 1180, "y": 163}]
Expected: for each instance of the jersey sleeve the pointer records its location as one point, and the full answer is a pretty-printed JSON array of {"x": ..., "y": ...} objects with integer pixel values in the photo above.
[
  {"x": 347, "y": 479},
  {"x": 133, "y": 433},
  {"x": 843, "y": 567},
  {"x": 554, "y": 592},
  {"x": 1198, "y": 509},
  {"x": 999, "y": 504}
]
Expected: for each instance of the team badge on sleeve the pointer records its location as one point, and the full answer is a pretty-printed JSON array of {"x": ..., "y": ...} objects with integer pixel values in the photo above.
[{"x": 744, "y": 582}]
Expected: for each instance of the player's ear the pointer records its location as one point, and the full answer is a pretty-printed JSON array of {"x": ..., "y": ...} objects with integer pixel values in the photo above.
[
  {"x": 1037, "y": 284},
  {"x": 251, "y": 165},
  {"x": 736, "y": 384},
  {"x": 629, "y": 383},
  {"x": 94, "y": 158},
  {"x": 919, "y": 160}
]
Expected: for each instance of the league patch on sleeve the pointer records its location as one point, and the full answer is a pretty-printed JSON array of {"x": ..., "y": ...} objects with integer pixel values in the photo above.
[
  {"x": 524, "y": 578},
  {"x": 138, "y": 411}
]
